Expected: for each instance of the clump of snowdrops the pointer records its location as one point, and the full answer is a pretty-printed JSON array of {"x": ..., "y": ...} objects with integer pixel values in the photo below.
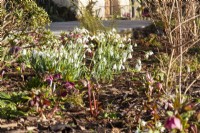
[{"x": 79, "y": 54}]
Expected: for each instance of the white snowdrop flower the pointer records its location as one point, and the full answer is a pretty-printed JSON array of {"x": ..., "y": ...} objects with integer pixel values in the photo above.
[
  {"x": 92, "y": 45},
  {"x": 99, "y": 56},
  {"x": 75, "y": 56},
  {"x": 162, "y": 129},
  {"x": 121, "y": 45},
  {"x": 71, "y": 60},
  {"x": 76, "y": 65},
  {"x": 117, "y": 36},
  {"x": 79, "y": 40},
  {"x": 124, "y": 55},
  {"x": 143, "y": 123},
  {"x": 54, "y": 87},
  {"x": 40, "y": 53},
  {"x": 61, "y": 54},
  {"x": 48, "y": 55},
  {"x": 119, "y": 66},
  {"x": 150, "y": 53},
  {"x": 92, "y": 37},
  {"x": 138, "y": 65},
  {"x": 129, "y": 56},
  {"x": 84, "y": 56},
  {"x": 89, "y": 50},
  {"x": 85, "y": 46},
  {"x": 54, "y": 63},
  {"x": 146, "y": 56},
  {"x": 66, "y": 56},
  {"x": 158, "y": 124},
  {"x": 24, "y": 52},
  {"x": 135, "y": 45},
  {"x": 130, "y": 48},
  {"x": 114, "y": 30},
  {"x": 15, "y": 40},
  {"x": 188, "y": 69},
  {"x": 129, "y": 40},
  {"x": 61, "y": 47},
  {"x": 123, "y": 67},
  {"x": 124, "y": 59},
  {"x": 114, "y": 67},
  {"x": 104, "y": 60}
]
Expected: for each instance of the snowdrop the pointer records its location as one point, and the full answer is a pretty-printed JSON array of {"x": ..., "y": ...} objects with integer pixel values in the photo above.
[
  {"x": 138, "y": 65},
  {"x": 130, "y": 48},
  {"x": 111, "y": 52},
  {"x": 104, "y": 60},
  {"x": 147, "y": 54},
  {"x": 114, "y": 67},
  {"x": 124, "y": 56},
  {"x": 129, "y": 56},
  {"x": 75, "y": 56},
  {"x": 121, "y": 45},
  {"x": 24, "y": 52}
]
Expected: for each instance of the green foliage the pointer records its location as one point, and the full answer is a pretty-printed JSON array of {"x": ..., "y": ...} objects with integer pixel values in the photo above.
[
  {"x": 80, "y": 54},
  {"x": 89, "y": 20},
  {"x": 9, "y": 105},
  {"x": 22, "y": 26}
]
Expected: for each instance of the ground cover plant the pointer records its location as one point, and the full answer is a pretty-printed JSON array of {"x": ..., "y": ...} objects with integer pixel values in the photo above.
[{"x": 89, "y": 80}]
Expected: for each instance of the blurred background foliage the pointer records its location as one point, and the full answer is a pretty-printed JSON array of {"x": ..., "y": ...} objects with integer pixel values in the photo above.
[{"x": 55, "y": 12}]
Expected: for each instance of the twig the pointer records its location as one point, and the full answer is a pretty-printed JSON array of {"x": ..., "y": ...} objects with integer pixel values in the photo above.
[{"x": 191, "y": 84}]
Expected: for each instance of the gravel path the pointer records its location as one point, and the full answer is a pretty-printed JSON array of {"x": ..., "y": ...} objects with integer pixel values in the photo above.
[{"x": 57, "y": 27}]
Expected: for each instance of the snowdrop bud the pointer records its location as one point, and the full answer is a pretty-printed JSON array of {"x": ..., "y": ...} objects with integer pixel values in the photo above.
[
  {"x": 117, "y": 36},
  {"x": 135, "y": 45},
  {"x": 61, "y": 47},
  {"x": 114, "y": 67},
  {"x": 61, "y": 54},
  {"x": 111, "y": 53},
  {"x": 99, "y": 56},
  {"x": 123, "y": 67},
  {"x": 104, "y": 60},
  {"x": 114, "y": 30},
  {"x": 76, "y": 65},
  {"x": 121, "y": 45},
  {"x": 138, "y": 66},
  {"x": 85, "y": 46},
  {"x": 130, "y": 48},
  {"x": 150, "y": 53},
  {"x": 75, "y": 56},
  {"x": 143, "y": 123},
  {"x": 24, "y": 52},
  {"x": 54, "y": 87},
  {"x": 89, "y": 50},
  {"x": 129, "y": 56}
]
